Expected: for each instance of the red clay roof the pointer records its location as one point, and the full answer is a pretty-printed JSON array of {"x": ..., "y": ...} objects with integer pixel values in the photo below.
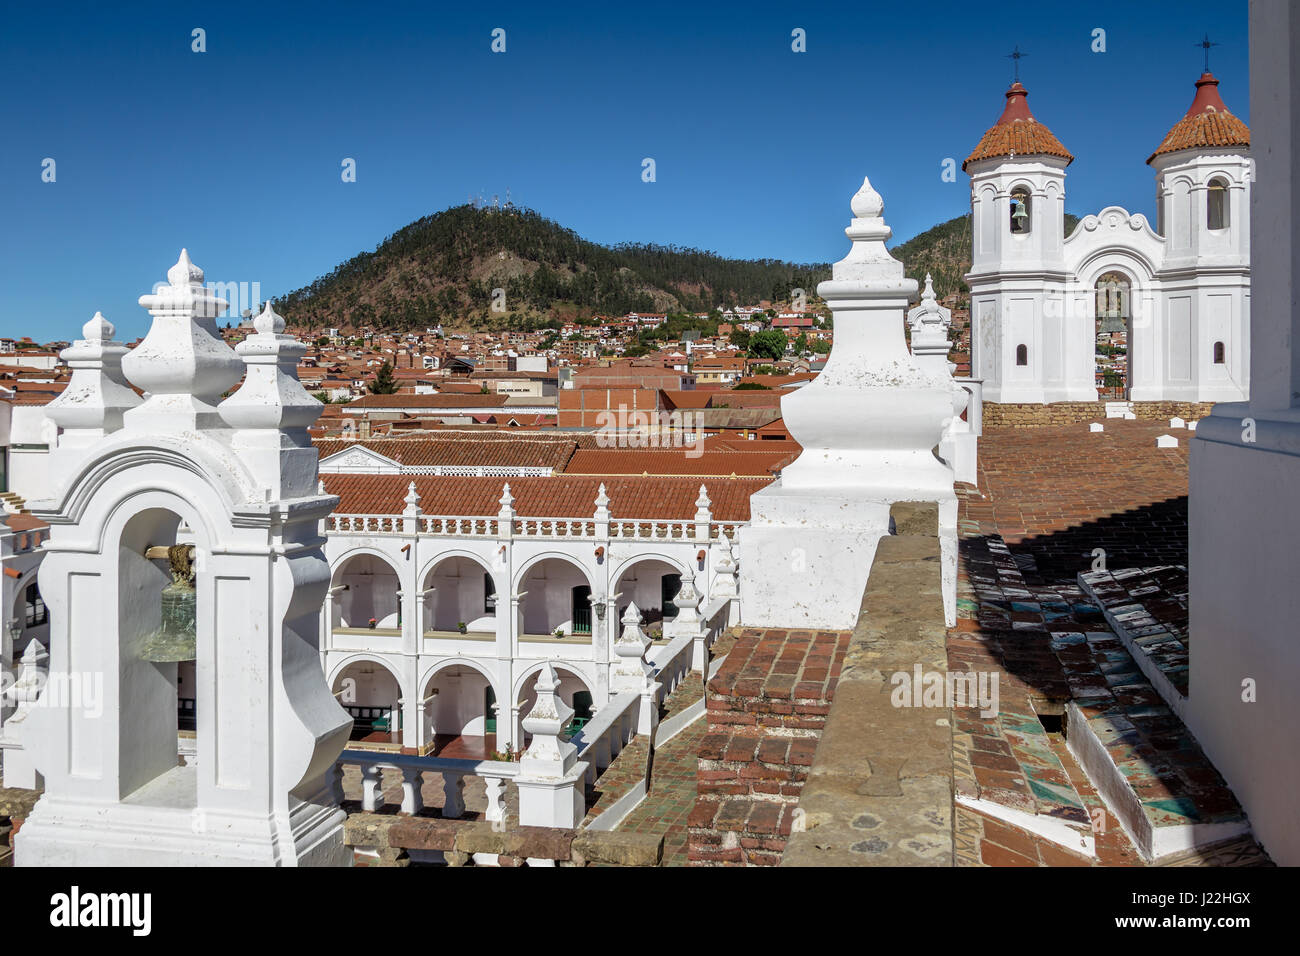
[
  {"x": 442, "y": 400},
  {"x": 558, "y": 497},
  {"x": 1207, "y": 123},
  {"x": 1017, "y": 133},
  {"x": 466, "y": 450},
  {"x": 750, "y": 463}
]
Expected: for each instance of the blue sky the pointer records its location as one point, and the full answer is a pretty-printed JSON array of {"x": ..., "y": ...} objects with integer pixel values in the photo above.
[{"x": 236, "y": 152}]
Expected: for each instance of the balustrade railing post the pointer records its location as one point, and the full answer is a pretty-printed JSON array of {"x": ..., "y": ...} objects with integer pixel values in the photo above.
[
  {"x": 453, "y": 788},
  {"x": 412, "y": 798},
  {"x": 496, "y": 805},
  {"x": 372, "y": 791}
]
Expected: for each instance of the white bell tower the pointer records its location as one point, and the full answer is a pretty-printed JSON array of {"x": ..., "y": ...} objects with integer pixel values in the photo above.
[
  {"x": 1203, "y": 180},
  {"x": 236, "y": 481},
  {"x": 1021, "y": 344}
]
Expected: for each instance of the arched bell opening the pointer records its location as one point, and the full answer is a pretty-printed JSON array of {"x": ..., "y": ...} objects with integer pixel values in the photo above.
[{"x": 158, "y": 607}]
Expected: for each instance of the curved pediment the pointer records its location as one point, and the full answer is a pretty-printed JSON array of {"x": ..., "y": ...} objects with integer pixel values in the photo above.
[{"x": 1111, "y": 221}]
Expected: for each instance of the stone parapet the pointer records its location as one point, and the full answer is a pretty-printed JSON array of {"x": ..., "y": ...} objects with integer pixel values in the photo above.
[
  {"x": 1029, "y": 415},
  {"x": 391, "y": 840},
  {"x": 880, "y": 788}
]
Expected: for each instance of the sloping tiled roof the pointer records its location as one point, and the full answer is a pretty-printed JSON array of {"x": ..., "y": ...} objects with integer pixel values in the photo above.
[
  {"x": 558, "y": 497},
  {"x": 755, "y": 463},
  {"x": 1017, "y": 133},
  {"x": 465, "y": 450},
  {"x": 442, "y": 400},
  {"x": 1207, "y": 124}
]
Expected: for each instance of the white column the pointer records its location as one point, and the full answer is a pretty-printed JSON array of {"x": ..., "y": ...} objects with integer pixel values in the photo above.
[
  {"x": 1245, "y": 468},
  {"x": 867, "y": 425}
]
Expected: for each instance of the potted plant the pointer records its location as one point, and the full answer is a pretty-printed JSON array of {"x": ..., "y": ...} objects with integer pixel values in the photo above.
[
  {"x": 559, "y": 633},
  {"x": 373, "y": 622},
  {"x": 462, "y": 627}
]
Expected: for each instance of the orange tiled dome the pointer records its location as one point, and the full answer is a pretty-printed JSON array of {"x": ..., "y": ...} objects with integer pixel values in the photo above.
[
  {"x": 1017, "y": 133},
  {"x": 1207, "y": 123}
]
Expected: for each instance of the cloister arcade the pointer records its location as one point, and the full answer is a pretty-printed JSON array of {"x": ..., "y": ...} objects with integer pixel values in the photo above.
[{"x": 462, "y": 623}]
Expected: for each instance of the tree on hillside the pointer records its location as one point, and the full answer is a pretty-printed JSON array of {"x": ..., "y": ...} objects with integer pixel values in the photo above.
[
  {"x": 770, "y": 344},
  {"x": 383, "y": 383},
  {"x": 801, "y": 343},
  {"x": 739, "y": 338}
]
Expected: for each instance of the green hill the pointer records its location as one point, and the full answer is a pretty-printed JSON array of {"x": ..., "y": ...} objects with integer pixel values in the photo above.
[{"x": 443, "y": 269}]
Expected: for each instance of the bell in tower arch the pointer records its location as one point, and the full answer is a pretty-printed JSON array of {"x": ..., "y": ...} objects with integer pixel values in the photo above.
[{"x": 174, "y": 638}]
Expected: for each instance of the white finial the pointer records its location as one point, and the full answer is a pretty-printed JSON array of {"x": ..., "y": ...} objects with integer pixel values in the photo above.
[
  {"x": 269, "y": 322},
  {"x": 98, "y": 329},
  {"x": 185, "y": 272},
  {"x": 866, "y": 203},
  {"x": 320, "y": 486},
  {"x": 507, "y": 499},
  {"x": 928, "y": 294},
  {"x": 632, "y": 614},
  {"x": 602, "y": 499},
  {"x": 703, "y": 502}
]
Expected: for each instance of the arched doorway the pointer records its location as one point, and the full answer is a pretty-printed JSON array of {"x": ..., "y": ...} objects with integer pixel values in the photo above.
[
  {"x": 652, "y": 584},
  {"x": 461, "y": 713},
  {"x": 371, "y": 695},
  {"x": 557, "y": 602},
  {"x": 1113, "y": 328},
  {"x": 460, "y": 597},
  {"x": 367, "y": 599}
]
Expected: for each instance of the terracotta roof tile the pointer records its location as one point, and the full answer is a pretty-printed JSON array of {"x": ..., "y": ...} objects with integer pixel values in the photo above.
[
  {"x": 441, "y": 400},
  {"x": 1017, "y": 133},
  {"x": 756, "y": 463},
  {"x": 1207, "y": 124},
  {"x": 558, "y": 497}
]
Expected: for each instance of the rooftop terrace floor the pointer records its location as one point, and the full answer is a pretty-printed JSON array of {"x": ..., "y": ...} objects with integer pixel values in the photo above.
[{"x": 1052, "y": 503}]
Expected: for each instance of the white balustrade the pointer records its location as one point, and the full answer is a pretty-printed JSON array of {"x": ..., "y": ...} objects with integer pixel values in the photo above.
[
  {"x": 605, "y": 735},
  {"x": 495, "y": 774}
]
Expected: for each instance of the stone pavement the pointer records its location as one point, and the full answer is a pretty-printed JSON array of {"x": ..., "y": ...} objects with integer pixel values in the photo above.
[{"x": 1048, "y": 498}]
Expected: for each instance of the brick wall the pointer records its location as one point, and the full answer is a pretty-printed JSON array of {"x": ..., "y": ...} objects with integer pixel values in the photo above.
[
  {"x": 766, "y": 709},
  {"x": 1022, "y": 415}
]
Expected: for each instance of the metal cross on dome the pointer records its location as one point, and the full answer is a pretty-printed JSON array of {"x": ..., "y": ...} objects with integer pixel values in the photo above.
[
  {"x": 1015, "y": 56},
  {"x": 1206, "y": 44}
]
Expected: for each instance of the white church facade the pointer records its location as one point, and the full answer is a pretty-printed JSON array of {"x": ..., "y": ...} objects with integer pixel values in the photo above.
[{"x": 1164, "y": 306}]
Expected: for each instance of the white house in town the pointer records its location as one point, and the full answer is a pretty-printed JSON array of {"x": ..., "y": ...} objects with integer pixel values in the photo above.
[{"x": 1177, "y": 291}]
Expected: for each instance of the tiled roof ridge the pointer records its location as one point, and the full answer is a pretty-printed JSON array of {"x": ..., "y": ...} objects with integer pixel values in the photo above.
[
  {"x": 1208, "y": 123},
  {"x": 1017, "y": 133}
]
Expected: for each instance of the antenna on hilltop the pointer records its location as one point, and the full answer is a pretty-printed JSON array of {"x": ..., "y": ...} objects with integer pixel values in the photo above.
[{"x": 1206, "y": 44}]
